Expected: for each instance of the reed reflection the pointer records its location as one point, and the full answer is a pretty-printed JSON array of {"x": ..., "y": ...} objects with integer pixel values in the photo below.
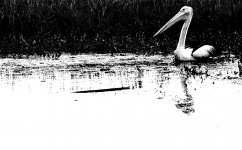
[
  {"x": 167, "y": 82},
  {"x": 138, "y": 79}
]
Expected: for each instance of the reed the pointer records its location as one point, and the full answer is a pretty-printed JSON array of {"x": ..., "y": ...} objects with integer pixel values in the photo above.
[{"x": 76, "y": 26}]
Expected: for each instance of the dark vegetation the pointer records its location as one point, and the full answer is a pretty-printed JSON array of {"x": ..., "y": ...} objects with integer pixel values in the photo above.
[{"x": 44, "y": 27}]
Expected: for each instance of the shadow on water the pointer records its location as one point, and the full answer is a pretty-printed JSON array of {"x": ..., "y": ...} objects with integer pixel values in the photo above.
[{"x": 182, "y": 84}]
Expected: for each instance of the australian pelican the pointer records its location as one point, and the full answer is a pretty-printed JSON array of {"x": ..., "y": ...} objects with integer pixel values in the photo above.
[{"x": 182, "y": 53}]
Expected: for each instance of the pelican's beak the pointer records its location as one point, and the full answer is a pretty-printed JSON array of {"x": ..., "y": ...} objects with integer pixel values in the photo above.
[{"x": 181, "y": 15}]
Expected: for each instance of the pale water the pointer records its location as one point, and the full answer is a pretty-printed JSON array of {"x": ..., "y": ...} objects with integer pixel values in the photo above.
[{"x": 119, "y": 102}]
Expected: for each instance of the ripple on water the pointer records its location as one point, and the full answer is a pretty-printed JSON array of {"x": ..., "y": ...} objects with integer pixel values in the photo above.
[{"x": 156, "y": 76}]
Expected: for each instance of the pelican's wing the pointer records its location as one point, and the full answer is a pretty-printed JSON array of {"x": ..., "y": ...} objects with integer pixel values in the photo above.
[{"x": 204, "y": 52}]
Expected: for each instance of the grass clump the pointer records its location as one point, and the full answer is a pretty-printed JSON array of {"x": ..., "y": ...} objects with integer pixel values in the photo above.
[{"x": 44, "y": 27}]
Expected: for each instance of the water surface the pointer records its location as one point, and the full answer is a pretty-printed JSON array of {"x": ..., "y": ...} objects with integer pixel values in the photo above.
[{"x": 120, "y": 102}]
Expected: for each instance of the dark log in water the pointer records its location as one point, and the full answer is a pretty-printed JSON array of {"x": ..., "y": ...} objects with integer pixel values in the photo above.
[{"x": 103, "y": 90}]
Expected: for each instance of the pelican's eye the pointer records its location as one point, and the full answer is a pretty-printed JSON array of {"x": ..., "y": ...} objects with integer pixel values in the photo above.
[{"x": 183, "y": 10}]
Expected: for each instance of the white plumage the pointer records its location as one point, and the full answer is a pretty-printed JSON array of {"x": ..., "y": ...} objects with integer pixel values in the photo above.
[
  {"x": 204, "y": 52},
  {"x": 181, "y": 53}
]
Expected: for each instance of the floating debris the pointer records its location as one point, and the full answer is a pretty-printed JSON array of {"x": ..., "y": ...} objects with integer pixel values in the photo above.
[{"x": 103, "y": 90}]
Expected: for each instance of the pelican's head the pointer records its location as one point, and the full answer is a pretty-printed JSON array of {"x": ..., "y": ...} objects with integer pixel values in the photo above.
[{"x": 184, "y": 13}]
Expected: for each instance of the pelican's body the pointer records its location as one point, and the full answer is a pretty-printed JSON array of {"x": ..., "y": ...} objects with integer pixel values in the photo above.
[{"x": 181, "y": 53}]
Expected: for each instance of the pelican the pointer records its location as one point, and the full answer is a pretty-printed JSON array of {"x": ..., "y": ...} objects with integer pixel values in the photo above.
[{"x": 181, "y": 53}]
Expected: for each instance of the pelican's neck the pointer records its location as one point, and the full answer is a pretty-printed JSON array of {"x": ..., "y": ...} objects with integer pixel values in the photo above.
[{"x": 183, "y": 34}]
